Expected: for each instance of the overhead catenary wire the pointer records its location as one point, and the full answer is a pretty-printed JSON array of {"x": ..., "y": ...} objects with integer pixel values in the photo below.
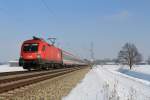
[{"x": 50, "y": 11}]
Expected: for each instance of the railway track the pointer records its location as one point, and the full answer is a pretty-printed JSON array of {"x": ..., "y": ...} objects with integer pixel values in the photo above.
[{"x": 13, "y": 81}]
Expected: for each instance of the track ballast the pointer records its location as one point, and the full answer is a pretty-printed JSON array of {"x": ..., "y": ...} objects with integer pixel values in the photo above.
[{"x": 10, "y": 81}]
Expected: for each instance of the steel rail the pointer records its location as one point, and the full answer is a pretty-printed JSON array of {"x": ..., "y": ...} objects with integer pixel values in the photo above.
[
  {"x": 20, "y": 76},
  {"x": 32, "y": 79}
]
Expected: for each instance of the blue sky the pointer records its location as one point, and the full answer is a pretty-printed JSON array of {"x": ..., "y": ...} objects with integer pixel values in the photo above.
[{"x": 75, "y": 23}]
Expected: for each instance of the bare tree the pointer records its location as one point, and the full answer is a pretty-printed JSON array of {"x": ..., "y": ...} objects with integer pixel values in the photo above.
[{"x": 129, "y": 55}]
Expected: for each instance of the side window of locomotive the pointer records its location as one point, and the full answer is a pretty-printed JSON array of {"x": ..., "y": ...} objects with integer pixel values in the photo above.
[{"x": 43, "y": 48}]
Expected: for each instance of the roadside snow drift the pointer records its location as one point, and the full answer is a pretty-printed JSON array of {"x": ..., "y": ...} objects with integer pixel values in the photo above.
[{"x": 107, "y": 83}]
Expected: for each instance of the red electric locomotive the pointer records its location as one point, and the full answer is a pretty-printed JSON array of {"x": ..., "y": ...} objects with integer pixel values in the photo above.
[{"x": 38, "y": 54}]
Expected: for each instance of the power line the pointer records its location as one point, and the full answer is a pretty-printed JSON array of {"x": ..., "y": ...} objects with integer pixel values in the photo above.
[{"x": 47, "y": 7}]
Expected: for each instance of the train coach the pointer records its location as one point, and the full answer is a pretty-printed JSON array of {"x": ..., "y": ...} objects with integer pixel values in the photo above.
[{"x": 36, "y": 53}]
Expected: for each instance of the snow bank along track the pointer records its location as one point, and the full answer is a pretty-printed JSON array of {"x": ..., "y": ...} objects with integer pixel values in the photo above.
[{"x": 12, "y": 80}]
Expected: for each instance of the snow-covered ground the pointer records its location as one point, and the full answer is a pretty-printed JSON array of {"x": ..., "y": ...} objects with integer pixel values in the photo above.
[
  {"x": 111, "y": 82},
  {"x": 7, "y": 68}
]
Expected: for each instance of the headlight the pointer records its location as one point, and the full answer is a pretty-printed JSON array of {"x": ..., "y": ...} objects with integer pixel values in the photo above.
[{"x": 38, "y": 56}]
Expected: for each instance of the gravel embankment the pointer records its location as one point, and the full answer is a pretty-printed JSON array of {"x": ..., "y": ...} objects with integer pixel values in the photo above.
[{"x": 53, "y": 89}]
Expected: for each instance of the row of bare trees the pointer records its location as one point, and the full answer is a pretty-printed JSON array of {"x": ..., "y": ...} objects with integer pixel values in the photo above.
[{"x": 129, "y": 55}]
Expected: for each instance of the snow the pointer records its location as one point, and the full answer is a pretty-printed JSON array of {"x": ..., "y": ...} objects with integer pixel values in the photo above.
[
  {"x": 13, "y": 61},
  {"x": 7, "y": 68},
  {"x": 139, "y": 73},
  {"x": 139, "y": 68},
  {"x": 135, "y": 74},
  {"x": 143, "y": 69},
  {"x": 88, "y": 89},
  {"x": 109, "y": 83}
]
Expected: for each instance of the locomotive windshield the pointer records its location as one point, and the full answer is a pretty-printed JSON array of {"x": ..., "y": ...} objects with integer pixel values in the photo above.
[{"x": 28, "y": 47}]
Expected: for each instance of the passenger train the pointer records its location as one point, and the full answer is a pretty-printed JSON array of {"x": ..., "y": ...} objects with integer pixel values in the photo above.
[{"x": 36, "y": 53}]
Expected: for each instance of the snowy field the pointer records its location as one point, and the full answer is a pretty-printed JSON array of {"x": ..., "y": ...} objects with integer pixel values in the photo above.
[
  {"x": 7, "y": 68},
  {"x": 113, "y": 82}
]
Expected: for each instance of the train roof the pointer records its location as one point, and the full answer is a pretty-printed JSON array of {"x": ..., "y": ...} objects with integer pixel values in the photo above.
[
  {"x": 39, "y": 40},
  {"x": 77, "y": 57},
  {"x": 36, "y": 40}
]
